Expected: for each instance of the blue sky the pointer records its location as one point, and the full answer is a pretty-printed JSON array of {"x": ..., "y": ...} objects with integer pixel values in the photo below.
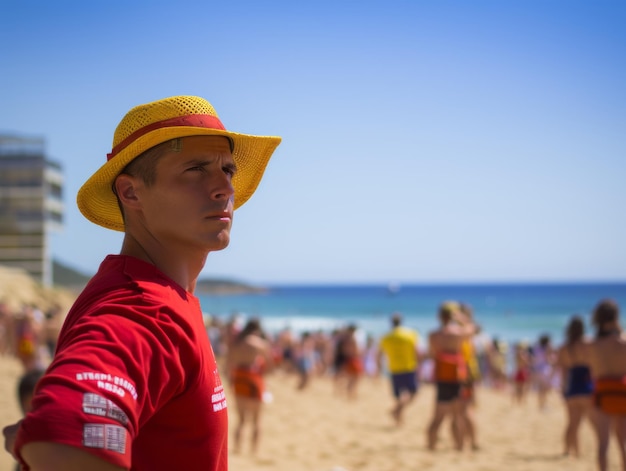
[{"x": 438, "y": 141}]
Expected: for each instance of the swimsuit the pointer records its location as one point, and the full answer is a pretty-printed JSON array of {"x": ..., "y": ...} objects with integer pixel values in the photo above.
[
  {"x": 610, "y": 395},
  {"x": 578, "y": 381},
  {"x": 521, "y": 375},
  {"x": 248, "y": 382},
  {"x": 450, "y": 367},
  {"x": 447, "y": 392},
  {"x": 450, "y": 374},
  {"x": 352, "y": 365}
]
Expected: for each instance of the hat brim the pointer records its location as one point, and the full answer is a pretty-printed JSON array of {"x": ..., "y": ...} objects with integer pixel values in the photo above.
[{"x": 97, "y": 202}]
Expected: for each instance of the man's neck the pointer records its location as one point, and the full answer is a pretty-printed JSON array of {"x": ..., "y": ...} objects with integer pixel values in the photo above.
[{"x": 184, "y": 270}]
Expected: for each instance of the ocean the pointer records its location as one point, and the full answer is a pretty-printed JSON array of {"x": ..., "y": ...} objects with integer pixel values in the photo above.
[{"x": 509, "y": 312}]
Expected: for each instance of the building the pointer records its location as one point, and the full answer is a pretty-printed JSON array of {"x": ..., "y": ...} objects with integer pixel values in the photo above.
[{"x": 31, "y": 206}]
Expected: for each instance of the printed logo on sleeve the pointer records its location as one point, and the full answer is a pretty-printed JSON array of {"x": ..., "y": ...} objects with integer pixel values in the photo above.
[
  {"x": 109, "y": 382},
  {"x": 218, "y": 398},
  {"x": 95, "y": 404},
  {"x": 105, "y": 436}
]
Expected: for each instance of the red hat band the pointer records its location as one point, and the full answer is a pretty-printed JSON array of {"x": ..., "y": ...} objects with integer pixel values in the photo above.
[{"x": 195, "y": 120}]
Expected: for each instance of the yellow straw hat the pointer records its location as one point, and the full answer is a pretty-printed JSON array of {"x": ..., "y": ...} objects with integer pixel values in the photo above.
[{"x": 146, "y": 126}]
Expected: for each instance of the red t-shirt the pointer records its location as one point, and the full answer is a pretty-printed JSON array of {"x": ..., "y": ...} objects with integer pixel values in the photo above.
[{"x": 134, "y": 380}]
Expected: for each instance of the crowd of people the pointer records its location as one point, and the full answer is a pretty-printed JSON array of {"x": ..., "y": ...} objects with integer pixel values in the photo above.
[
  {"x": 30, "y": 334},
  {"x": 588, "y": 373}
]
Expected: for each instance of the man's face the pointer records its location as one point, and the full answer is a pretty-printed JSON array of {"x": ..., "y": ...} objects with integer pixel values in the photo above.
[{"x": 190, "y": 205}]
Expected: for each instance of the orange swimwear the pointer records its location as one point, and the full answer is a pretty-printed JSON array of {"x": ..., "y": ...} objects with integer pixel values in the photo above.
[
  {"x": 353, "y": 365},
  {"x": 450, "y": 368},
  {"x": 610, "y": 395},
  {"x": 248, "y": 383}
]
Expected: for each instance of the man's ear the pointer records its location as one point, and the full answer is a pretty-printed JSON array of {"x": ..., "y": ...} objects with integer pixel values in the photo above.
[{"x": 126, "y": 189}]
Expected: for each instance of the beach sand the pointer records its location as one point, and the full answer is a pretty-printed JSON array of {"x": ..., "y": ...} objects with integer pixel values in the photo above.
[{"x": 316, "y": 430}]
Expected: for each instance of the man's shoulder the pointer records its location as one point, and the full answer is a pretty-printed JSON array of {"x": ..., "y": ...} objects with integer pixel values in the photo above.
[{"x": 398, "y": 332}]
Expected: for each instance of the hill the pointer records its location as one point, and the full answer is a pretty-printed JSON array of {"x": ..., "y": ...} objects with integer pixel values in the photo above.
[
  {"x": 67, "y": 277},
  {"x": 72, "y": 279},
  {"x": 18, "y": 288}
]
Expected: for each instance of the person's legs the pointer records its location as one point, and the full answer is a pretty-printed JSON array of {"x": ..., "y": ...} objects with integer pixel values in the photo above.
[
  {"x": 567, "y": 437},
  {"x": 338, "y": 382},
  {"x": 524, "y": 386},
  {"x": 353, "y": 379},
  {"x": 517, "y": 395},
  {"x": 404, "y": 388},
  {"x": 447, "y": 403},
  {"x": 241, "y": 419},
  {"x": 603, "y": 430},
  {"x": 441, "y": 409},
  {"x": 304, "y": 372},
  {"x": 542, "y": 393},
  {"x": 620, "y": 433},
  {"x": 254, "y": 409},
  {"x": 458, "y": 432},
  {"x": 575, "y": 413},
  {"x": 402, "y": 401},
  {"x": 396, "y": 412},
  {"x": 466, "y": 419},
  {"x": 396, "y": 390}
]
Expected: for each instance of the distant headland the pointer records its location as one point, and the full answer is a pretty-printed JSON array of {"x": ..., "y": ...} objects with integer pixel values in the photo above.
[
  {"x": 18, "y": 288},
  {"x": 70, "y": 278}
]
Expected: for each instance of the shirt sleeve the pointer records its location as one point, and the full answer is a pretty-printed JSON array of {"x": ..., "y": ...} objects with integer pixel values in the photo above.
[{"x": 110, "y": 375}]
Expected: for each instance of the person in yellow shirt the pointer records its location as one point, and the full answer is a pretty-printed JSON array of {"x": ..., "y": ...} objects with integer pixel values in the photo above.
[{"x": 399, "y": 347}]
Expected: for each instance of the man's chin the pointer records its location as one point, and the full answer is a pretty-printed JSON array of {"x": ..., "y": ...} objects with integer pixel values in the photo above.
[{"x": 219, "y": 244}]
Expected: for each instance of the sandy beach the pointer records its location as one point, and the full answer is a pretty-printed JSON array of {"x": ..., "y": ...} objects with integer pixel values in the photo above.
[{"x": 316, "y": 430}]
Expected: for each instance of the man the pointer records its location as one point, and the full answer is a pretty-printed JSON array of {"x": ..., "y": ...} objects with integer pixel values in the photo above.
[
  {"x": 249, "y": 358},
  {"x": 445, "y": 348},
  {"x": 134, "y": 382},
  {"x": 608, "y": 370},
  {"x": 400, "y": 349}
]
